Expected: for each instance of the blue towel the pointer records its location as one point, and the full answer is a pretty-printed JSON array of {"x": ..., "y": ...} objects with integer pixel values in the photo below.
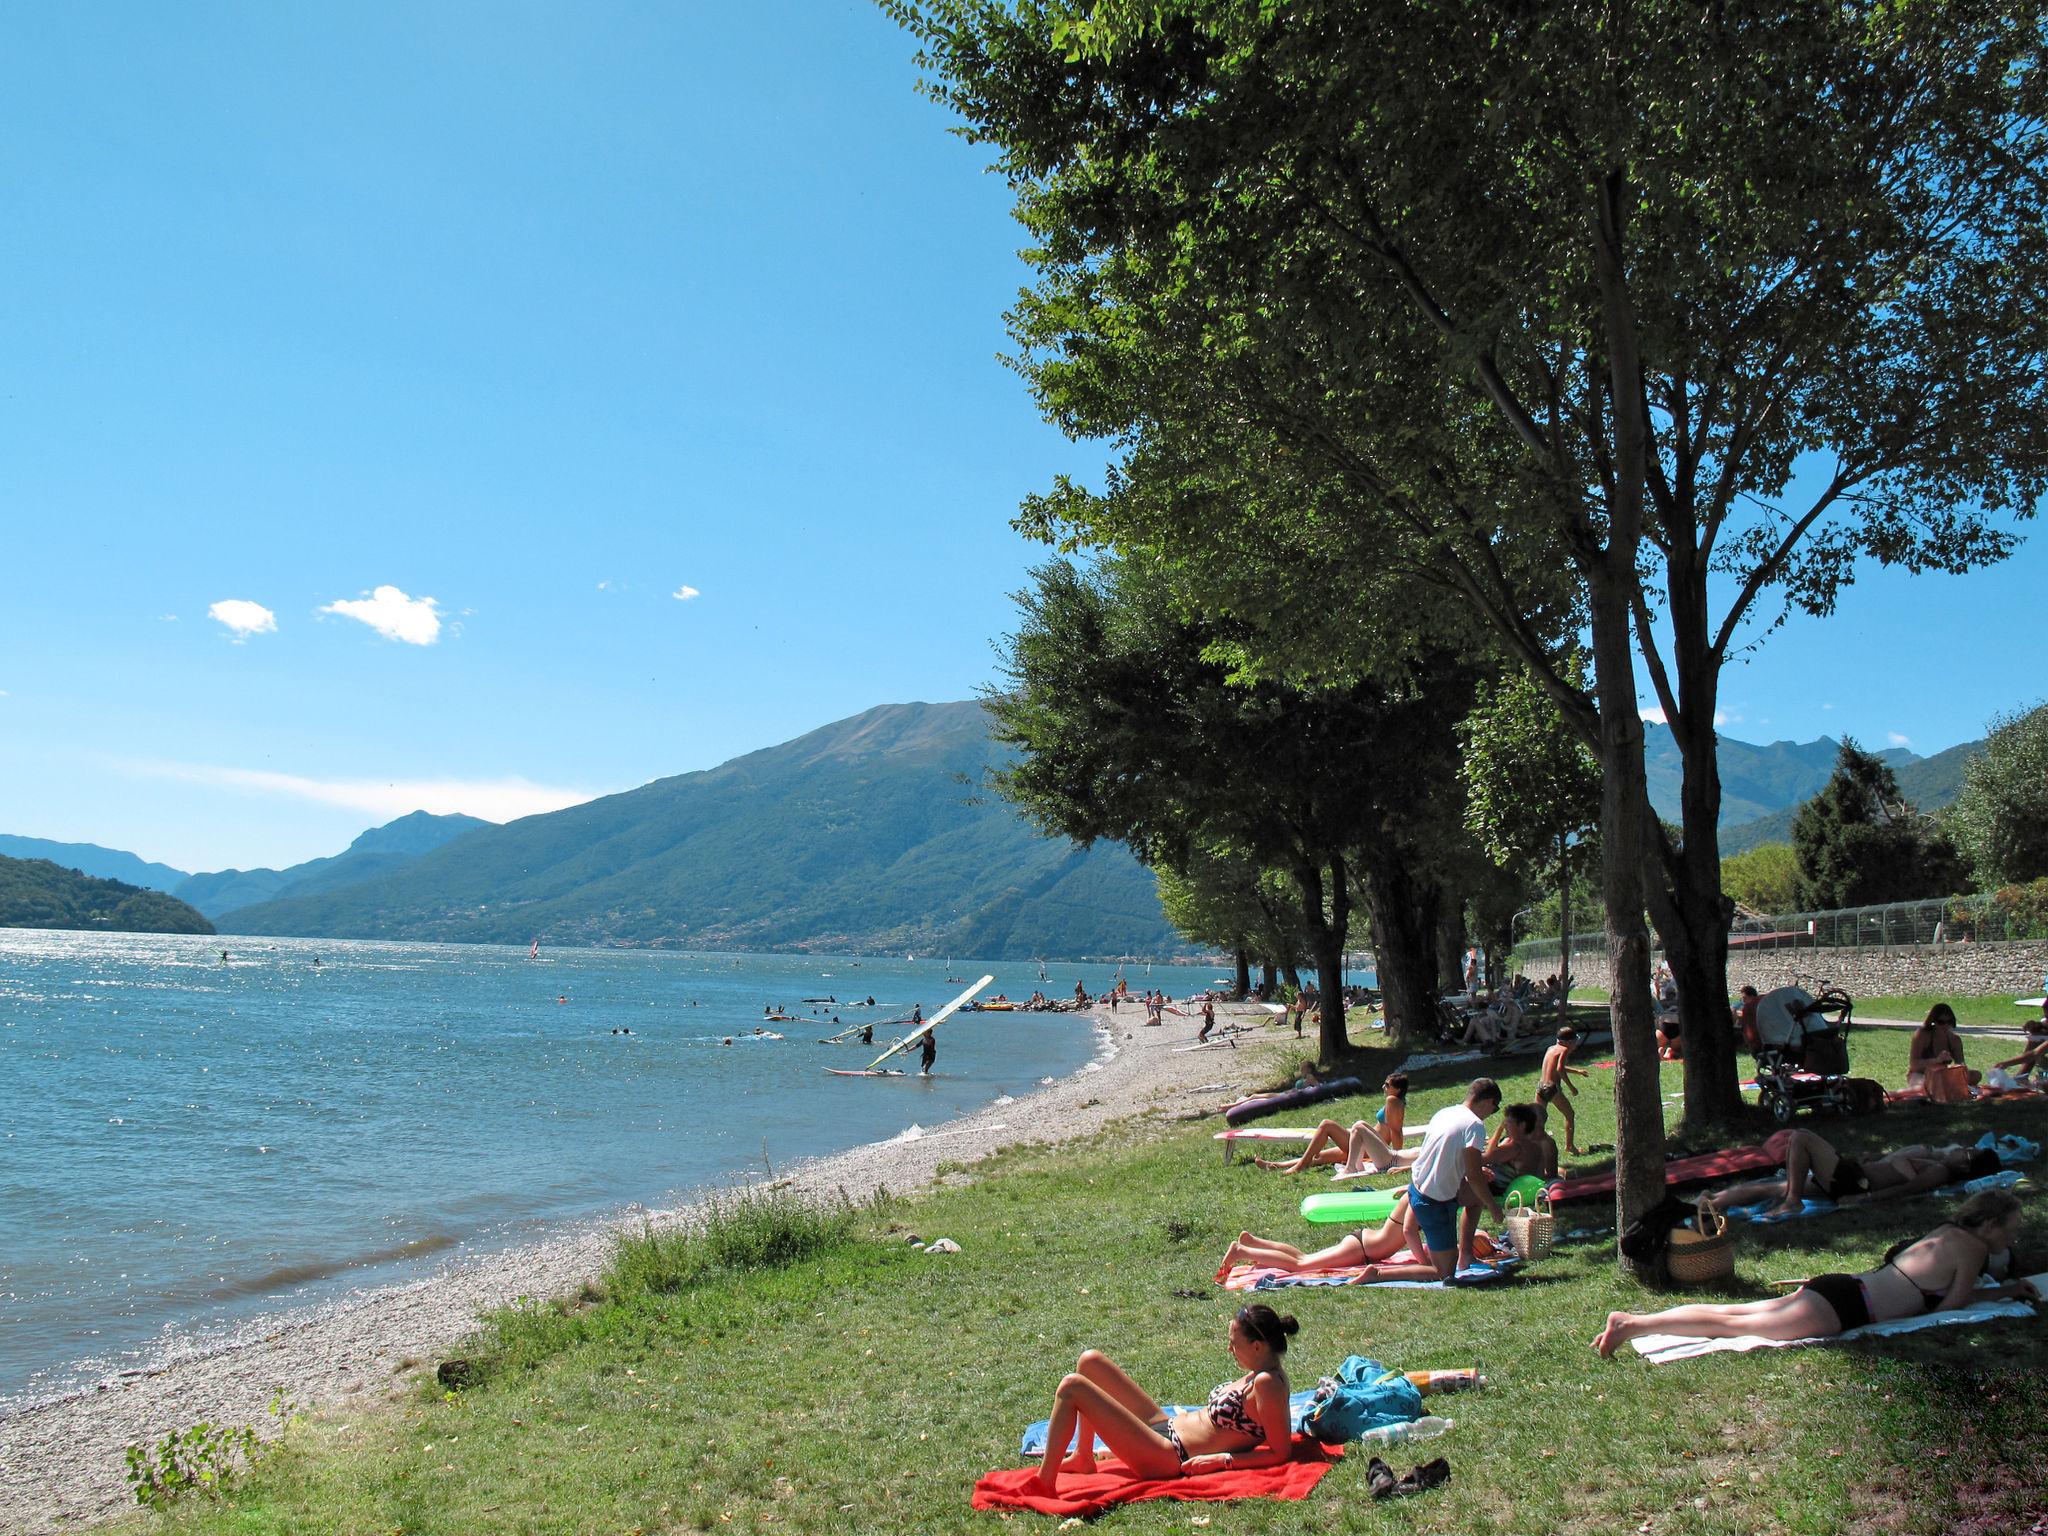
[
  {"x": 1764, "y": 1212},
  {"x": 1298, "y": 1404}
]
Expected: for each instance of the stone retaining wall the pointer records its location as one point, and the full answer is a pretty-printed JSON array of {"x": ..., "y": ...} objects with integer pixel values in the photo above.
[{"x": 2015, "y": 968}]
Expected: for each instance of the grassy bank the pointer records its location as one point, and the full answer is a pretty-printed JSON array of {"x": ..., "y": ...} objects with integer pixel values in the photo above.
[{"x": 847, "y": 1383}]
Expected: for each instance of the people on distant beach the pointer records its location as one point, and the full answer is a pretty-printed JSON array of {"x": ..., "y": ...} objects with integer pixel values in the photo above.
[
  {"x": 1554, "y": 1087},
  {"x": 1936, "y": 1043},
  {"x": 1365, "y": 1247},
  {"x": 1935, "y": 1273},
  {"x": 1208, "y": 1020},
  {"x": 1245, "y": 1423}
]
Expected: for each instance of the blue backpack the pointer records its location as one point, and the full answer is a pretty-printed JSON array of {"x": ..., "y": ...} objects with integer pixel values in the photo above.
[{"x": 1362, "y": 1395}]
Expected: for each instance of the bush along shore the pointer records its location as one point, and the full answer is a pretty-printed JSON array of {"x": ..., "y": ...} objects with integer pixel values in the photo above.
[{"x": 793, "y": 1362}]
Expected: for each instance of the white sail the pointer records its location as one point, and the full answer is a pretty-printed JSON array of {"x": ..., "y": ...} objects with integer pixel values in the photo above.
[{"x": 932, "y": 1023}]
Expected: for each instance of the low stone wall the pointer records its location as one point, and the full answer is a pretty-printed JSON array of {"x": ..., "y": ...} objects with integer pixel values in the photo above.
[{"x": 2015, "y": 968}]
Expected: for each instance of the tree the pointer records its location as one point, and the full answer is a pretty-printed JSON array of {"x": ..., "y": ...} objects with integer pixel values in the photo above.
[
  {"x": 1220, "y": 895},
  {"x": 1765, "y": 879},
  {"x": 1131, "y": 727},
  {"x": 2000, "y": 820},
  {"x": 1584, "y": 283},
  {"x": 1859, "y": 842},
  {"x": 1532, "y": 788}
]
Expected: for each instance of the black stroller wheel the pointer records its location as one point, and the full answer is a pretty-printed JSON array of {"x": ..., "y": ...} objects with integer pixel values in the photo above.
[{"x": 1781, "y": 1109}]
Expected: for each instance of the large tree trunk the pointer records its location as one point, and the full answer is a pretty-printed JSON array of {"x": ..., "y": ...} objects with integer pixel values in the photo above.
[
  {"x": 1244, "y": 975},
  {"x": 1326, "y": 912},
  {"x": 1449, "y": 933},
  {"x": 1291, "y": 974},
  {"x": 1693, "y": 915},
  {"x": 1269, "y": 978},
  {"x": 1405, "y": 930},
  {"x": 1564, "y": 923}
]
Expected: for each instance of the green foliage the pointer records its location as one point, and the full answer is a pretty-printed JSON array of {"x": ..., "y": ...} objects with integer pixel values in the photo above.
[
  {"x": 2024, "y": 909},
  {"x": 1860, "y": 843},
  {"x": 203, "y": 1458},
  {"x": 2000, "y": 820},
  {"x": 34, "y": 893},
  {"x": 1764, "y": 879},
  {"x": 865, "y": 835},
  {"x": 1224, "y": 899}
]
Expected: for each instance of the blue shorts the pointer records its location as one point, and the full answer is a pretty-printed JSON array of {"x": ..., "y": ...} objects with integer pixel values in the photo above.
[{"x": 1438, "y": 1220}]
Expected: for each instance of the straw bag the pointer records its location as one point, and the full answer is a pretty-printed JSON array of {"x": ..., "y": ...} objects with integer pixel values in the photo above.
[
  {"x": 1707, "y": 1253},
  {"x": 1533, "y": 1229},
  {"x": 1948, "y": 1085}
]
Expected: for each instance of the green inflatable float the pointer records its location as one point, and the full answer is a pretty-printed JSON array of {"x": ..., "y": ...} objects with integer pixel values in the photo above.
[{"x": 1369, "y": 1207}]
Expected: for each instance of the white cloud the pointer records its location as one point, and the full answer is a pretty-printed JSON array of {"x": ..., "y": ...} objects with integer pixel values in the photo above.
[
  {"x": 1654, "y": 714},
  {"x": 393, "y": 615},
  {"x": 1827, "y": 706},
  {"x": 505, "y": 799},
  {"x": 1722, "y": 717},
  {"x": 1897, "y": 740},
  {"x": 243, "y": 618},
  {"x": 684, "y": 594},
  {"x": 167, "y": 618},
  {"x": 604, "y": 586}
]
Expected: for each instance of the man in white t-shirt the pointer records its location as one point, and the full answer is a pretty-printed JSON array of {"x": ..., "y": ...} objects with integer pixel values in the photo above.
[{"x": 1448, "y": 1175}]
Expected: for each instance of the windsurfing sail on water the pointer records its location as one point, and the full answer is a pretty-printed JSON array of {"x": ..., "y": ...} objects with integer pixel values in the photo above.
[
  {"x": 932, "y": 1023},
  {"x": 534, "y": 953}
]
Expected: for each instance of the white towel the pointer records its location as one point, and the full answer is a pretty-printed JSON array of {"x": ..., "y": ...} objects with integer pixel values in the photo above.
[{"x": 1663, "y": 1348}]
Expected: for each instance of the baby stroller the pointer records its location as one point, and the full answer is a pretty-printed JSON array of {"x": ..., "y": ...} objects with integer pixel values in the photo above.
[{"x": 1802, "y": 1053}]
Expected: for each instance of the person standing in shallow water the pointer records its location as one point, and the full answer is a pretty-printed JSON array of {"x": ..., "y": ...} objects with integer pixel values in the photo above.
[{"x": 930, "y": 1049}]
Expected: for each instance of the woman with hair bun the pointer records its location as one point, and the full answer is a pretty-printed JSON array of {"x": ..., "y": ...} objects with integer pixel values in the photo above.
[
  {"x": 1244, "y": 1425},
  {"x": 1935, "y": 1273}
]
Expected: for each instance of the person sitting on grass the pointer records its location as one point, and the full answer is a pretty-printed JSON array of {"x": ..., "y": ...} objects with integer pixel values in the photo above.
[
  {"x": 1449, "y": 1183},
  {"x": 1244, "y": 1425},
  {"x": 1935, "y": 1273},
  {"x": 1351, "y": 1149},
  {"x": 1519, "y": 1148},
  {"x": 1935, "y": 1044},
  {"x": 1364, "y": 1249},
  {"x": 1815, "y": 1170}
]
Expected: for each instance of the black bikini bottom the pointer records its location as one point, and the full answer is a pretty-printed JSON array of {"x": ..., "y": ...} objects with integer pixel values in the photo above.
[{"x": 1844, "y": 1295}]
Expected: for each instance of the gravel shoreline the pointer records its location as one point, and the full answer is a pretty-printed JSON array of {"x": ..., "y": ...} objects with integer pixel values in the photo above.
[{"x": 62, "y": 1467}]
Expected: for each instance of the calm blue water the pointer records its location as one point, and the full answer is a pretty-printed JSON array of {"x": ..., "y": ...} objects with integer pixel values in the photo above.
[{"x": 185, "y": 1144}]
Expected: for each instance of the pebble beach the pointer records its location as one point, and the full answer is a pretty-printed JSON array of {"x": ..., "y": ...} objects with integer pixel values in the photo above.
[{"x": 63, "y": 1467}]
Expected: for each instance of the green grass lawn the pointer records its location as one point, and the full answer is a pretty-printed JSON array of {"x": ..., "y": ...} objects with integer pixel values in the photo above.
[{"x": 863, "y": 1388}]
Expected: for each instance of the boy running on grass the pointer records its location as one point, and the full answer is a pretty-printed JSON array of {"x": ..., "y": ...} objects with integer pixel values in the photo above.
[{"x": 1556, "y": 1087}]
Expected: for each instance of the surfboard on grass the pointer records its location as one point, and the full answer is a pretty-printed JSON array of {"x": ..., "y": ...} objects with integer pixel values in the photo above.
[{"x": 918, "y": 1033}]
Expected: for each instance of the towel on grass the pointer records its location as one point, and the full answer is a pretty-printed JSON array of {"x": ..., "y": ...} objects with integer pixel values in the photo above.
[
  {"x": 1298, "y": 1404},
  {"x": 1766, "y": 1212},
  {"x": 1413, "y": 1277},
  {"x": 1663, "y": 1348},
  {"x": 1090, "y": 1493}
]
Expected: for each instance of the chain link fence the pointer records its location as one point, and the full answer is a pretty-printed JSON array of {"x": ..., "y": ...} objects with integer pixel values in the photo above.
[{"x": 2018, "y": 913}]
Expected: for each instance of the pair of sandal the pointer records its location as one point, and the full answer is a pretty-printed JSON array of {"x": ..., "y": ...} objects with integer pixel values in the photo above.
[{"x": 1379, "y": 1477}]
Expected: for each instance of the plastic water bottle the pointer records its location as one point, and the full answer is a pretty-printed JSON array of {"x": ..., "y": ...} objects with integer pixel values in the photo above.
[{"x": 1428, "y": 1427}]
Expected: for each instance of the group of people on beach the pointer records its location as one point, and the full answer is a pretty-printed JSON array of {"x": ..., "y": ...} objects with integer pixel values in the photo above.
[{"x": 1460, "y": 1171}]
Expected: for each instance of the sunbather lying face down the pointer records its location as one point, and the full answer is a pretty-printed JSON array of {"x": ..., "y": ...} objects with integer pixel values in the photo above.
[
  {"x": 1815, "y": 1170},
  {"x": 1367, "y": 1246},
  {"x": 1244, "y": 1425},
  {"x": 1937, "y": 1273}
]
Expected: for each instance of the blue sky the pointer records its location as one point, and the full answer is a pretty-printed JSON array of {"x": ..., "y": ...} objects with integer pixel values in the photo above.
[{"x": 549, "y": 314}]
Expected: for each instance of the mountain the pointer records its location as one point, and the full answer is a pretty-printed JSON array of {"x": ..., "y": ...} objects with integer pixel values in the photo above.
[
  {"x": 92, "y": 859},
  {"x": 1928, "y": 782},
  {"x": 36, "y": 893},
  {"x": 870, "y": 834},
  {"x": 379, "y": 851},
  {"x": 1755, "y": 781}
]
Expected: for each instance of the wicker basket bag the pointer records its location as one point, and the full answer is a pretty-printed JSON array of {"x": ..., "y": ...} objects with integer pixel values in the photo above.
[
  {"x": 1707, "y": 1253},
  {"x": 1533, "y": 1229}
]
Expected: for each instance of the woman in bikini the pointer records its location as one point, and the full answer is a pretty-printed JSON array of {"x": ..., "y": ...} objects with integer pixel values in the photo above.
[
  {"x": 1814, "y": 1169},
  {"x": 1350, "y": 1150},
  {"x": 1361, "y": 1249},
  {"x": 1244, "y": 1425},
  {"x": 1936, "y": 1273}
]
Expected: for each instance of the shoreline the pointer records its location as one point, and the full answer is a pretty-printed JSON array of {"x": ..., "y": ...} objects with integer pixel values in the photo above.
[{"x": 64, "y": 1467}]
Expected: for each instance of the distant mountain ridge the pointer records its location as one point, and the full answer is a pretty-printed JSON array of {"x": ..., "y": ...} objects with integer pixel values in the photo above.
[
  {"x": 92, "y": 859},
  {"x": 379, "y": 851},
  {"x": 869, "y": 834},
  {"x": 1928, "y": 782},
  {"x": 1755, "y": 780}
]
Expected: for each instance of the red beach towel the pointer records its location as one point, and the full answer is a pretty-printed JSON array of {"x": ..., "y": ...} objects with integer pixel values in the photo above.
[
  {"x": 1245, "y": 1277},
  {"x": 1091, "y": 1493},
  {"x": 1680, "y": 1170}
]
